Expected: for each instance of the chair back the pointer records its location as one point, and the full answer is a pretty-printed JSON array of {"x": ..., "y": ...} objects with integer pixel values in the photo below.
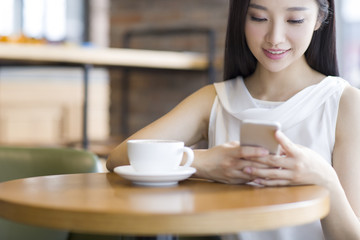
[{"x": 22, "y": 162}]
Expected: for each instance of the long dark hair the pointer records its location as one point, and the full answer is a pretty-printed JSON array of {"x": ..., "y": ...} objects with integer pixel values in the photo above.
[{"x": 321, "y": 54}]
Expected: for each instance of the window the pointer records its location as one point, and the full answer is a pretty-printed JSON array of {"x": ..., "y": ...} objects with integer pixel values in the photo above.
[
  {"x": 47, "y": 19},
  {"x": 349, "y": 40},
  {"x": 7, "y": 22},
  {"x": 350, "y": 11}
]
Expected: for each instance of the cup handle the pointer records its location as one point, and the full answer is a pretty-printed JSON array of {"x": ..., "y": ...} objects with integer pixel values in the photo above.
[{"x": 190, "y": 156}]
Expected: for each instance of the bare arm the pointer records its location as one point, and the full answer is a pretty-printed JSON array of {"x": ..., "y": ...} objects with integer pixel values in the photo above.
[
  {"x": 343, "y": 220},
  {"x": 187, "y": 122}
]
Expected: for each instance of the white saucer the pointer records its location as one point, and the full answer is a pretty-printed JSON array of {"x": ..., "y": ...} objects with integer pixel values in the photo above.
[{"x": 155, "y": 179}]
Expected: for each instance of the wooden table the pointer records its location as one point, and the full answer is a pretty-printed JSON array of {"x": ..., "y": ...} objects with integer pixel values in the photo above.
[
  {"x": 87, "y": 57},
  {"x": 105, "y": 203}
]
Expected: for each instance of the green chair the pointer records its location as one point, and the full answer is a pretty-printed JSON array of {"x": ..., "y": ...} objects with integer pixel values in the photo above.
[{"x": 21, "y": 162}]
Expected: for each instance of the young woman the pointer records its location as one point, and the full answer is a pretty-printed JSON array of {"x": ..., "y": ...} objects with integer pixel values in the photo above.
[{"x": 280, "y": 64}]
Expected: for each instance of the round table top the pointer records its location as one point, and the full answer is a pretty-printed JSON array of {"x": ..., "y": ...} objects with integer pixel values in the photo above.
[{"x": 105, "y": 203}]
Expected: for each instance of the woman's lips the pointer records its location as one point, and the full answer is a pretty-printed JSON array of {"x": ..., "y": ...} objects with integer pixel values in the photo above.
[{"x": 275, "y": 54}]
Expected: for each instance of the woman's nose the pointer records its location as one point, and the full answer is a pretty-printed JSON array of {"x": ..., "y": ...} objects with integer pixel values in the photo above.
[{"x": 275, "y": 34}]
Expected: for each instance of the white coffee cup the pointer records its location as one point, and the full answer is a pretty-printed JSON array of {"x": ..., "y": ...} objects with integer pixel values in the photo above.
[{"x": 152, "y": 156}]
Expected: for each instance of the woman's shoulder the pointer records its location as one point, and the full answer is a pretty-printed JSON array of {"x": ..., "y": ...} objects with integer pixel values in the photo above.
[
  {"x": 207, "y": 91},
  {"x": 224, "y": 91},
  {"x": 228, "y": 82},
  {"x": 229, "y": 86},
  {"x": 350, "y": 95},
  {"x": 202, "y": 99},
  {"x": 350, "y": 98},
  {"x": 349, "y": 110},
  {"x": 213, "y": 90}
]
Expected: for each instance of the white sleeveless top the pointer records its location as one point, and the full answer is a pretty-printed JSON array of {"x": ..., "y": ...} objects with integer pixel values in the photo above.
[{"x": 308, "y": 118}]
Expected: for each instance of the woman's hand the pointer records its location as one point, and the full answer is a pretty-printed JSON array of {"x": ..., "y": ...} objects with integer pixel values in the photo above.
[
  {"x": 225, "y": 163},
  {"x": 296, "y": 165}
]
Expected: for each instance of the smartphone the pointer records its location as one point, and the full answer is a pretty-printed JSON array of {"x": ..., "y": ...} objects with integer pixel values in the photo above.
[{"x": 260, "y": 133}]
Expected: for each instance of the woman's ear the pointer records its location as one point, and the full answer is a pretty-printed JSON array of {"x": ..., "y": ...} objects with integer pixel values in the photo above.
[
  {"x": 318, "y": 25},
  {"x": 321, "y": 19}
]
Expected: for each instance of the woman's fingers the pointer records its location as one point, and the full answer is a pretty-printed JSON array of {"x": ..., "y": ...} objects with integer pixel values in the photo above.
[
  {"x": 241, "y": 164},
  {"x": 233, "y": 149},
  {"x": 237, "y": 177},
  {"x": 287, "y": 146},
  {"x": 283, "y": 160},
  {"x": 298, "y": 165},
  {"x": 274, "y": 161},
  {"x": 269, "y": 173},
  {"x": 246, "y": 152},
  {"x": 271, "y": 182}
]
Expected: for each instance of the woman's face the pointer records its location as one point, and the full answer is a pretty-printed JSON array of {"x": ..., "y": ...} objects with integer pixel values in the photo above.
[{"x": 278, "y": 32}]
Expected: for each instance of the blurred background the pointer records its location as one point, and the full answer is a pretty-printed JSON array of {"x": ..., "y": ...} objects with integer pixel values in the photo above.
[{"x": 42, "y": 105}]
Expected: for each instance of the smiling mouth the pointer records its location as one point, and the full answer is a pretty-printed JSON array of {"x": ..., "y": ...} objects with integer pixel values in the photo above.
[{"x": 277, "y": 52}]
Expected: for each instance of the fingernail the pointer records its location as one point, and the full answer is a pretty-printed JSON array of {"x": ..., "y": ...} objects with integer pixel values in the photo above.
[
  {"x": 264, "y": 151},
  {"x": 279, "y": 133},
  {"x": 247, "y": 170}
]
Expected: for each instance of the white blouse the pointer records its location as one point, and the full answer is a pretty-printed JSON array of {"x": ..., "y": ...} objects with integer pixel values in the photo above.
[{"x": 308, "y": 118}]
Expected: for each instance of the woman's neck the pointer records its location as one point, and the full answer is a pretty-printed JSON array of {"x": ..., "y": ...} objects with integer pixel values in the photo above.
[{"x": 280, "y": 86}]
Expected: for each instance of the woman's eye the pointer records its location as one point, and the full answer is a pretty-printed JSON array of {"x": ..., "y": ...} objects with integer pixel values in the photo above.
[
  {"x": 256, "y": 19},
  {"x": 299, "y": 21}
]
